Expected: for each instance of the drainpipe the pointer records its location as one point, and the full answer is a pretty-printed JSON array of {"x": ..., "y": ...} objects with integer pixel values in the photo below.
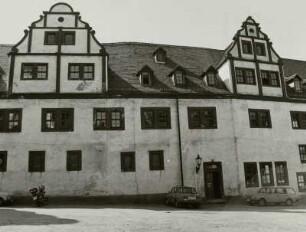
[{"x": 180, "y": 140}]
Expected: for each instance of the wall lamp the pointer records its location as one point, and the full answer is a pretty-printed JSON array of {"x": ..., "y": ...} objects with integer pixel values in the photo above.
[{"x": 198, "y": 163}]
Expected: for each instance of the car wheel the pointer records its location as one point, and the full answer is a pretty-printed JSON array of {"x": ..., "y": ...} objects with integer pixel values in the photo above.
[
  {"x": 177, "y": 204},
  {"x": 289, "y": 202},
  {"x": 262, "y": 202}
]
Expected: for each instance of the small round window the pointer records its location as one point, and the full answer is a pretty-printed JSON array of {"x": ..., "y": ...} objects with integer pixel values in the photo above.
[
  {"x": 251, "y": 30},
  {"x": 60, "y": 19}
]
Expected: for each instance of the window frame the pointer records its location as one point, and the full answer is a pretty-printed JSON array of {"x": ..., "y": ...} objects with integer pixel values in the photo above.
[
  {"x": 244, "y": 76},
  {"x": 81, "y": 71},
  {"x": 143, "y": 75},
  {"x": 270, "y": 173},
  {"x": 246, "y": 174},
  {"x": 72, "y": 166},
  {"x": 41, "y": 165},
  {"x": 56, "y": 34},
  {"x": 202, "y": 119},
  {"x": 132, "y": 168},
  {"x": 155, "y": 117},
  {"x": 184, "y": 78},
  {"x": 108, "y": 118},
  {"x": 159, "y": 54},
  {"x": 57, "y": 118},
  {"x": 300, "y": 124},
  {"x": 304, "y": 181},
  {"x": 249, "y": 50},
  {"x": 263, "y": 48},
  {"x": 269, "y": 78},
  {"x": 63, "y": 34},
  {"x": 6, "y": 120},
  {"x": 259, "y": 121},
  {"x": 160, "y": 154},
  {"x": 34, "y": 71},
  {"x": 280, "y": 175},
  {"x": 3, "y": 156},
  {"x": 211, "y": 79},
  {"x": 59, "y": 37},
  {"x": 302, "y": 156}
]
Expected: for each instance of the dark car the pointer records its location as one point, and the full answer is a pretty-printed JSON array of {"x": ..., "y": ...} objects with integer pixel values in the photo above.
[
  {"x": 183, "y": 196},
  {"x": 274, "y": 195},
  {"x": 5, "y": 199}
]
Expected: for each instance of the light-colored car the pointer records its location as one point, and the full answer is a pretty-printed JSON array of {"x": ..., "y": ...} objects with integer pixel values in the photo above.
[
  {"x": 183, "y": 196},
  {"x": 5, "y": 198},
  {"x": 274, "y": 195}
]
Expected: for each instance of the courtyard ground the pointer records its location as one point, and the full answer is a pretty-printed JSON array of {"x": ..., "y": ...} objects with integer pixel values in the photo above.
[{"x": 157, "y": 218}]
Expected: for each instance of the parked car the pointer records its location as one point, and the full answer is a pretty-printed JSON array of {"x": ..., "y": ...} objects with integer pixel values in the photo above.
[
  {"x": 273, "y": 195},
  {"x": 183, "y": 196},
  {"x": 5, "y": 198}
]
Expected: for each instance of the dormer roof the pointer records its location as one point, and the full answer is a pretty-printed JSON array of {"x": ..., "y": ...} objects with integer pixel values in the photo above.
[
  {"x": 159, "y": 49},
  {"x": 145, "y": 68}
]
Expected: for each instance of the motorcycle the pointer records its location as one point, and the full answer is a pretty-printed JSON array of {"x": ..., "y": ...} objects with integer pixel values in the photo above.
[{"x": 38, "y": 196}]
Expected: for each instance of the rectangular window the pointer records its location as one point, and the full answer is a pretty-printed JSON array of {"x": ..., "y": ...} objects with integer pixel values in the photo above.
[
  {"x": 298, "y": 119},
  {"x": 247, "y": 47},
  {"x": 156, "y": 160},
  {"x": 269, "y": 78},
  {"x": 301, "y": 179},
  {"x": 34, "y": 71},
  {"x": 74, "y": 161},
  {"x": 81, "y": 71},
  {"x": 260, "y": 118},
  {"x": 51, "y": 38},
  {"x": 10, "y": 120},
  {"x": 251, "y": 175},
  {"x": 281, "y": 173},
  {"x": 260, "y": 49},
  {"x": 302, "y": 149},
  {"x": 211, "y": 79},
  {"x": 57, "y": 119},
  {"x": 36, "y": 161},
  {"x": 68, "y": 37},
  {"x": 3, "y": 161},
  {"x": 54, "y": 37},
  {"x": 202, "y": 117},
  {"x": 155, "y": 118},
  {"x": 245, "y": 76},
  {"x": 266, "y": 173},
  {"x": 108, "y": 119},
  {"x": 128, "y": 161}
]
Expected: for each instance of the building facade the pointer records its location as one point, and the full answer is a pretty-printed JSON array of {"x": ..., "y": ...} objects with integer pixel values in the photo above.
[{"x": 87, "y": 118}]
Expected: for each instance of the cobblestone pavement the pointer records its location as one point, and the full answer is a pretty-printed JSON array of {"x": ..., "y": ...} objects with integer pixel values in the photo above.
[{"x": 153, "y": 218}]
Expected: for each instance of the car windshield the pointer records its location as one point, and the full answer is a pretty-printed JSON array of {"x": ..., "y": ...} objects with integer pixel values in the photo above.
[{"x": 189, "y": 190}]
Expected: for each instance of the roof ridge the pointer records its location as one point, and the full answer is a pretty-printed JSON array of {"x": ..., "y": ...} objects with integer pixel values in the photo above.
[{"x": 158, "y": 44}]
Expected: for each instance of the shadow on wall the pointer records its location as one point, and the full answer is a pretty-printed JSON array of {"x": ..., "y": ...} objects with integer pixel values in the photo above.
[{"x": 18, "y": 217}]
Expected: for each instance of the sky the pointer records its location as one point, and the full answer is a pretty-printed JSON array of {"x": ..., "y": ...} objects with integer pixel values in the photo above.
[{"x": 198, "y": 23}]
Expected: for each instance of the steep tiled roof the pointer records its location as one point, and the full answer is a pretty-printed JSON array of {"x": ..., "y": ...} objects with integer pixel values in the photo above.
[{"x": 127, "y": 58}]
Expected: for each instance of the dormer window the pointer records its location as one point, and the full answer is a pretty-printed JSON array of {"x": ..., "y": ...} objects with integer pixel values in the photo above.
[
  {"x": 211, "y": 79},
  {"x": 297, "y": 85},
  {"x": 179, "y": 78},
  {"x": 247, "y": 47},
  {"x": 160, "y": 55},
  {"x": 145, "y": 76}
]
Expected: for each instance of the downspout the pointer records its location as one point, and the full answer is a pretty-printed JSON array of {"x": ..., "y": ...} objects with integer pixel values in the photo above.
[{"x": 180, "y": 139}]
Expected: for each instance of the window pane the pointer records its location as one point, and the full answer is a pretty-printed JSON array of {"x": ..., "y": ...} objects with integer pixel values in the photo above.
[
  {"x": 251, "y": 175},
  {"x": 266, "y": 174},
  {"x": 148, "y": 119}
]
